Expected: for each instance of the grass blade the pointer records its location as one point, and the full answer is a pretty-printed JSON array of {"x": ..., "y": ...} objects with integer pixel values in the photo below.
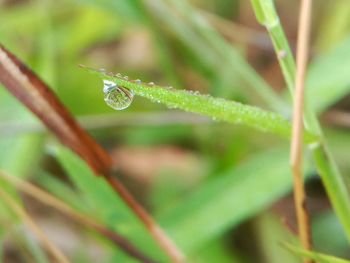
[
  {"x": 329, "y": 78},
  {"x": 218, "y": 205},
  {"x": 216, "y": 108},
  {"x": 266, "y": 15},
  {"x": 105, "y": 204},
  {"x": 318, "y": 257}
]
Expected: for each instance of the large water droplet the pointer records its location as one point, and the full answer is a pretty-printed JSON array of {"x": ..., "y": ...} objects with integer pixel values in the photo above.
[{"x": 116, "y": 97}]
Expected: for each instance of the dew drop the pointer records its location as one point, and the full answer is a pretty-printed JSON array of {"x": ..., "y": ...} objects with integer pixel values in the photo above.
[{"x": 116, "y": 97}]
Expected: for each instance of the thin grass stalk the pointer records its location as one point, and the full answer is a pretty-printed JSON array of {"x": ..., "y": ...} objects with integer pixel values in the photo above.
[
  {"x": 327, "y": 168},
  {"x": 21, "y": 213},
  {"x": 296, "y": 154},
  {"x": 48, "y": 199},
  {"x": 267, "y": 16}
]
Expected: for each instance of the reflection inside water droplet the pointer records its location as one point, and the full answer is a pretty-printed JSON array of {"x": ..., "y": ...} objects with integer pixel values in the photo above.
[{"x": 116, "y": 97}]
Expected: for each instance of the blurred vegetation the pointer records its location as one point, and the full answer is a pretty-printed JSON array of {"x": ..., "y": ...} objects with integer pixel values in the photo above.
[{"x": 221, "y": 191}]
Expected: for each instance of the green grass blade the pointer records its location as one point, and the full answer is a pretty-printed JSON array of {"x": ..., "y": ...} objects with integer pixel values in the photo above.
[
  {"x": 328, "y": 78},
  {"x": 334, "y": 184},
  {"x": 334, "y": 26},
  {"x": 126, "y": 9},
  {"x": 217, "y": 108},
  {"x": 229, "y": 199},
  {"x": 105, "y": 205},
  {"x": 266, "y": 15},
  {"x": 318, "y": 257}
]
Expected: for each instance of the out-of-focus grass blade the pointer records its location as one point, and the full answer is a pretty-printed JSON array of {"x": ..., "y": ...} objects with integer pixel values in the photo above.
[
  {"x": 105, "y": 204},
  {"x": 334, "y": 25},
  {"x": 329, "y": 79},
  {"x": 90, "y": 26},
  {"x": 320, "y": 258},
  {"x": 339, "y": 144},
  {"x": 14, "y": 149},
  {"x": 1, "y": 244},
  {"x": 61, "y": 190},
  {"x": 270, "y": 230},
  {"x": 229, "y": 199},
  {"x": 127, "y": 9},
  {"x": 32, "y": 250},
  {"x": 322, "y": 225},
  {"x": 217, "y": 251},
  {"x": 35, "y": 249}
]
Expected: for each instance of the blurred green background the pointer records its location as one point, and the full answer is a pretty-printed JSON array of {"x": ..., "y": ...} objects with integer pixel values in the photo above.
[{"x": 221, "y": 191}]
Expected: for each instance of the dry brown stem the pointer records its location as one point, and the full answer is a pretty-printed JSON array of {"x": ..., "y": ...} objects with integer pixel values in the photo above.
[{"x": 297, "y": 132}]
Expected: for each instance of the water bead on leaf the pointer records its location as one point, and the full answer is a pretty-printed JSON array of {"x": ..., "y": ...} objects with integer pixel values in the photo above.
[
  {"x": 119, "y": 98},
  {"x": 116, "y": 97}
]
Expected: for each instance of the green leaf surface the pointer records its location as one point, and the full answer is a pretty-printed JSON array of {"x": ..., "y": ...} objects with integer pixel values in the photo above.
[{"x": 229, "y": 199}]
